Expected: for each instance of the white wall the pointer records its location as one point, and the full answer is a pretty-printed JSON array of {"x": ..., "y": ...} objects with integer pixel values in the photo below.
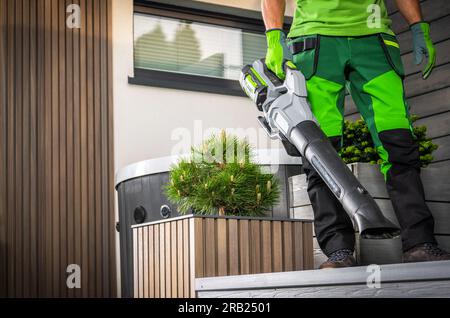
[
  {"x": 146, "y": 117},
  {"x": 250, "y": 4}
]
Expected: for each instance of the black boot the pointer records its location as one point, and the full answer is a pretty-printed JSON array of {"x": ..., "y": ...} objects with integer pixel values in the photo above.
[
  {"x": 340, "y": 259},
  {"x": 427, "y": 252}
]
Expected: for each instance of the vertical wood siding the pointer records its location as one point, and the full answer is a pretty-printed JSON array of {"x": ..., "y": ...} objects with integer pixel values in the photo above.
[
  {"x": 56, "y": 159},
  {"x": 169, "y": 255}
]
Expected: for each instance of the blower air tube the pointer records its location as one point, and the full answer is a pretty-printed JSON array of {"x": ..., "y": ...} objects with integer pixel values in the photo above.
[{"x": 315, "y": 147}]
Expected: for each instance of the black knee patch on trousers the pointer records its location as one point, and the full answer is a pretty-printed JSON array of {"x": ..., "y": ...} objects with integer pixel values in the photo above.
[
  {"x": 405, "y": 187},
  {"x": 403, "y": 150}
]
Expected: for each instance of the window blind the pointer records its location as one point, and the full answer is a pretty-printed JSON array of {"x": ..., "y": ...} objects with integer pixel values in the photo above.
[{"x": 179, "y": 46}]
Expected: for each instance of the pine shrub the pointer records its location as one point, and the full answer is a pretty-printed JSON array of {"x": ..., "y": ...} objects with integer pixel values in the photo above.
[{"x": 221, "y": 178}]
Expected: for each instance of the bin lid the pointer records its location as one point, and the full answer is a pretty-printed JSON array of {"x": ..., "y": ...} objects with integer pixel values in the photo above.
[{"x": 265, "y": 157}]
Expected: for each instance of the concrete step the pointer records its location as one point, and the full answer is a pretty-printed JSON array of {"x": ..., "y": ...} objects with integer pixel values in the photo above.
[{"x": 431, "y": 279}]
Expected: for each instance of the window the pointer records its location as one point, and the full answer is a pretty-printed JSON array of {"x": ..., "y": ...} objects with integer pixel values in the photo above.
[{"x": 194, "y": 48}]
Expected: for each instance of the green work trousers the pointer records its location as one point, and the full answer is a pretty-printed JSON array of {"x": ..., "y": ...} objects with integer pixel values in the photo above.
[{"x": 371, "y": 70}]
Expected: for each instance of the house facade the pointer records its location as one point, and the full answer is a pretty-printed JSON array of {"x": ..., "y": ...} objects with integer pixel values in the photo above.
[{"x": 88, "y": 87}]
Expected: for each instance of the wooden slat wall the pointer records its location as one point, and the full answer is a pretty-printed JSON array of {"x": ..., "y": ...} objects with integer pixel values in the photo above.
[
  {"x": 262, "y": 246},
  {"x": 3, "y": 147},
  {"x": 430, "y": 99},
  {"x": 56, "y": 161},
  {"x": 169, "y": 255},
  {"x": 161, "y": 260}
]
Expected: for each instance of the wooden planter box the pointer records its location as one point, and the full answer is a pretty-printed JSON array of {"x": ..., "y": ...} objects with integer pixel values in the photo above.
[
  {"x": 169, "y": 255},
  {"x": 437, "y": 193}
]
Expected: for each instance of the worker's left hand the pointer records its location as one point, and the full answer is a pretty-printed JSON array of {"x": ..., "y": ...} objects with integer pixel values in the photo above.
[{"x": 423, "y": 47}]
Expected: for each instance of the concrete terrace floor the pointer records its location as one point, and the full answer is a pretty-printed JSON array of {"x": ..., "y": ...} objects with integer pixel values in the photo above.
[{"x": 398, "y": 280}]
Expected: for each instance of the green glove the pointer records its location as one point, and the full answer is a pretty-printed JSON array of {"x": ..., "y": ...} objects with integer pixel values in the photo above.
[
  {"x": 423, "y": 46},
  {"x": 277, "y": 52}
]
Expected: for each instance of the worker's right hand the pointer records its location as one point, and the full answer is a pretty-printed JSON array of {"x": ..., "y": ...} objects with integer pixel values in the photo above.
[{"x": 277, "y": 52}]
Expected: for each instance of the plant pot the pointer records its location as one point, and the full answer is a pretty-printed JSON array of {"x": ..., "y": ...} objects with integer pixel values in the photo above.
[
  {"x": 169, "y": 255},
  {"x": 437, "y": 194},
  {"x": 142, "y": 185}
]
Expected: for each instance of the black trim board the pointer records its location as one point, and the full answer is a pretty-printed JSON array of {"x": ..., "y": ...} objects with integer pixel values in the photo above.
[{"x": 186, "y": 82}]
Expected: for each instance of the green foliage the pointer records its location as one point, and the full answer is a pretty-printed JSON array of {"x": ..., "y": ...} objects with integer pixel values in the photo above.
[
  {"x": 358, "y": 145},
  {"x": 220, "y": 178}
]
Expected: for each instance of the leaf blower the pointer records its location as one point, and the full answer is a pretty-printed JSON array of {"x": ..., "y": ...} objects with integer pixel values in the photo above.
[{"x": 288, "y": 117}]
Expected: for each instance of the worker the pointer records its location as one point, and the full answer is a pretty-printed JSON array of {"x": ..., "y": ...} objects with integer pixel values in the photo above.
[{"x": 348, "y": 45}]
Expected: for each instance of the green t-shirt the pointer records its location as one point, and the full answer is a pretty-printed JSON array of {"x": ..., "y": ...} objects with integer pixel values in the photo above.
[{"x": 340, "y": 18}]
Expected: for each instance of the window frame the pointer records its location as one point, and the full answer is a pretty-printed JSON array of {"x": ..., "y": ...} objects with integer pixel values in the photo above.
[{"x": 245, "y": 20}]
